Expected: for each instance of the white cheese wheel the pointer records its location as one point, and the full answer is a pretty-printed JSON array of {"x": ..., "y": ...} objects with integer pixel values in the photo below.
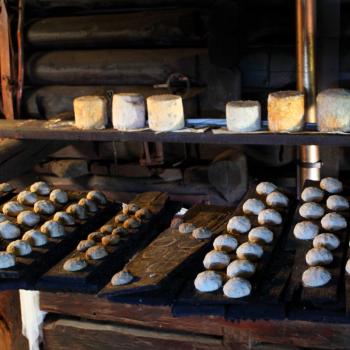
[
  {"x": 237, "y": 287},
  {"x": 285, "y": 111},
  {"x": 305, "y": 230},
  {"x": 333, "y": 107},
  {"x": 260, "y": 235},
  {"x": 243, "y": 116},
  {"x": 240, "y": 268},
  {"x": 12, "y": 208},
  {"x": 186, "y": 227},
  {"x": 64, "y": 218},
  {"x": 59, "y": 196},
  {"x": 316, "y": 276},
  {"x": 326, "y": 240},
  {"x": 75, "y": 264},
  {"x": 269, "y": 217},
  {"x": 265, "y": 188},
  {"x": 7, "y": 260},
  {"x": 331, "y": 185},
  {"x": 27, "y": 198},
  {"x": 216, "y": 260},
  {"x": 312, "y": 194},
  {"x": 208, "y": 281},
  {"x": 85, "y": 244},
  {"x": 28, "y": 218},
  {"x": 318, "y": 256},
  {"x": 88, "y": 204},
  {"x": 226, "y": 243},
  {"x": 41, "y": 188},
  {"x": 8, "y": 230},
  {"x": 90, "y": 112},
  {"x": 249, "y": 251},
  {"x": 337, "y": 203},
  {"x": 53, "y": 229},
  {"x": 44, "y": 207},
  {"x": 240, "y": 224},
  {"x": 19, "y": 248},
  {"x": 333, "y": 222},
  {"x": 253, "y": 206},
  {"x": 121, "y": 278},
  {"x": 97, "y": 196},
  {"x": 96, "y": 252},
  {"x": 201, "y": 233},
  {"x": 165, "y": 112},
  {"x": 110, "y": 240},
  {"x": 128, "y": 111},
  {"x": 77, "y": 210},
  {"x": 311, "y": 210},
  {"x": 6, "y": 187},
  {"x": 35, "y": 238},
  {"x": 277, "y": 199}
]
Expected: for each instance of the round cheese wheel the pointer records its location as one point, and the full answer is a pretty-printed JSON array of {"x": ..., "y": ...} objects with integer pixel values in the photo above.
[
  {"x": 269, "y": 217},
  {"x": 6, "y": 187},
  {"x": 59, "y": 196},
  {"x": 277, "y": 199},
  {"x": 333, "y": 222},
  {"x": 208, "y": 281},
  {"x": 128, "y": 111},
  {"x": 331, "y": 185},
  {"x": 337, "y": 203},
  {"x": 165, "y": 112},
  {"x": 7, "y": 260},
  {"x": 285, "y": 111},
  {"x": 28, "y": 218},
  {"x": 311, "y": 210},
  {"x": 249, "y": 251},
  {"x": 240, "y": 268},
  {"x": 318, "y": 256},
  {"x": 41, "y": 188},
  {"x": 260, "y": 235},
  {"x": 316, "y": 276},
  {"x": 121, "y": 278},
  {"x": 27, "y": 198},
  {"x": 253, "y": 206},
  {"x": 8, "y": 230},
  {"x": 326, "y": 240},
  {"x": 75, "y": 264},
  {"x": 243, "y": 116},
  {"x": 201, "y": 233},
  {"x": 90, "y": 112},
  {"x": 333, "y": 110},
  {"x": 226, "y": 243},
  {"x": 312, "y": 194},
  {"x": 240, "y": 224},
  {"x": 237, "y": 287},
  {"x": 35, "y": 238},
  {"x": 305, "y": 230},
  {"x": 19, "y": 248},
  {"x": 265, "y": 188},
  {"x": 216, "y": 260}
]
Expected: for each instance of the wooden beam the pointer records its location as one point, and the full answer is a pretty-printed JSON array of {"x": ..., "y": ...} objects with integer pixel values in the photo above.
[{"x": 5, "y": 61}]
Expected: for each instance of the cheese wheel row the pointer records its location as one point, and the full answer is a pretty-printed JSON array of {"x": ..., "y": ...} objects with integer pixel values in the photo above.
[{"x": 165, "y": 112}]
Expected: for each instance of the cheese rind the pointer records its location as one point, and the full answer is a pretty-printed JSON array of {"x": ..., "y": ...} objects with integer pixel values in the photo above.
[
  {"x": 243, "y": 116},
  {"x": 90, "y": 112},
  {"x": 165, "y": 112},
  {"x": 333, "y": 106},
  {"x": 285, "y": 111},
  {"x": 128, "y": 111}
]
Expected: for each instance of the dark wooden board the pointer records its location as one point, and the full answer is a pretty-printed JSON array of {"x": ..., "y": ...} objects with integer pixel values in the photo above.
[
  {"x": 28, "y": 268},
  {"x": 99, "y": 272},
  {"x": 328, "y": 296},
  {"x": 190, "y": 295},
  {"x": 45, "y": 130},
  {"x": 170, "y": 252}
]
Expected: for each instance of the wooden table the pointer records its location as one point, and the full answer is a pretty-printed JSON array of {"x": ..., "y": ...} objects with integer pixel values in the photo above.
[{"x": 86, "y": 322}]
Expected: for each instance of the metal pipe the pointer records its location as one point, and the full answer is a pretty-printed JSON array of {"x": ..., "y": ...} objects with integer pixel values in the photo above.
[{"x": 309, "y": 167}]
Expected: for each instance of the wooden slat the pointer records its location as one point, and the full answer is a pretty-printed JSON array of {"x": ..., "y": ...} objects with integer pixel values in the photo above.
[{"x": 58, "y": 130}]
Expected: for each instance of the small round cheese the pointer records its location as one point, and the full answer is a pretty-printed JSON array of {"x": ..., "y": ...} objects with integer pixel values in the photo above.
[
  {"x": 44, "y": 207},
  {"x": 143, "y": 214},
  {"x": 27, "y": 198},
  {"x": 201, "y": 233},
  {"x": 237, "y": 287},
  {"x": 98, "y": 197},
  {"x": 331, "y": 185},
  {"x": 240, "y": 268},
  {"x": 269, "y": 217},
  {"x": 96, "y": 252},
  {"x": 305, "y": 230},
  {"x": 53, "y": 229},
  {"x": 311, "y": 210},
  {"x": 333, "y": 110},
  {"x": 128, "y": 111},
  {"x": 277, "y": 199},
  {"x": 333, "y": 222},
  {"x": 12, "y": 208},
  {"x": 121, "y": 278},
  {"x": 131, "y": 223},
  {"x": 216, "y": 260},
  {"x": 110, "y": 240},
  {"x": 265, "y": 188},
  {"x": 85, "y": 244},
  {"x": 41, "y": 188},
  {"x": 90, "y": 112},
  {"x": 5, "y": 187},
  {"x": 337, "y": 203},
  {"x": 35, "y": 238},
  {"x": 120, "y": 218},
  {"x": 347, "y": 267},
  {"x": 107, "y": 229},
  {"x": 59, "y": 196},
  {"x": 120, "y": 231},
  {"x": 186, "y": 228},
  {"x": 318, "y": 256},
  {"x": 312, "y": 194},
  {"x": 208, "y": 281},
  {"x": 130, "y": 209},
  {"x": 28, "y": 218},
  {"x": 243, "y": 116},
  {"x": 64, "y": 218},
  {"x": 253, "y": 206},
  {"x": 95, "y": 236},
  {"x": 88, "y": 204},
  {"x": 285, "y": 111},
  {"x": 226, "y": 243},
  {"x": 316, "y": 276},
  {"x": 260, "y": 235},
  {"x": 326, "y": 240},
  {"x": 8, "y": 230},
  {"x": 249, "y": 251},
  {"x": 165, "y": 112},
  {"x": 240, "y": 224},
  {"x": 7, "y": 260},
  {"x": 75, "y": 264},
  {"x": 78, "y": 211},
  {"x": 19, "y": 248}
]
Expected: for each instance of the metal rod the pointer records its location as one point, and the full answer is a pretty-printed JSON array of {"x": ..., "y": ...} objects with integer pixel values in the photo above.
[{"x": 309, "y": 167}]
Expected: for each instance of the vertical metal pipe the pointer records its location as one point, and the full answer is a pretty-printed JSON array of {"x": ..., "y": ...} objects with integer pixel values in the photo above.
[{"x": 309, "y": 167}]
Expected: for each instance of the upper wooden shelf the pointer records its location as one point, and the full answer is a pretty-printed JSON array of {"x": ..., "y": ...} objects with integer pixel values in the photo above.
[{"x": 54, "y": 130}]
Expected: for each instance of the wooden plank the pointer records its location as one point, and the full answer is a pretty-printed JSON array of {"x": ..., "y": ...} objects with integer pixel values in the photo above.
[
  {"x": 63, "y": 130},
  {"x": 99, "y": 272},
  {"x": 167, "y": 255}
]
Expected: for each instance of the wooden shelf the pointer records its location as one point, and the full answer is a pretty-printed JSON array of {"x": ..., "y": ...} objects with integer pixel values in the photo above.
[{"x": 50, "y": 130}]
